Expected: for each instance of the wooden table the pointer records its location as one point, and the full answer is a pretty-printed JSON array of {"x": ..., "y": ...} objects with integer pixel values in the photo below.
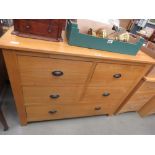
[{"x": 53, "y": 80}]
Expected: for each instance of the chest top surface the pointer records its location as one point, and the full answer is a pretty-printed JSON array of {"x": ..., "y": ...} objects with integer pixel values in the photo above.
[{"x": 9, "y": 41}]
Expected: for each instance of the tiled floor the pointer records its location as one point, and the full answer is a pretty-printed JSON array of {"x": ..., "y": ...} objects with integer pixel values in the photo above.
[{"x": 127, "y": 123}]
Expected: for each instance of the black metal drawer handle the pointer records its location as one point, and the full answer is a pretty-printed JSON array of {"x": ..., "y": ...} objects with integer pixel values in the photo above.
[
  {"x": 117, "y": 75},
  {"x": 52, "y": 111},
  {"x": 97, "y": 108},
  {"x": 106, "y": 94},
  {"x": 54, "y": 96},
  {"x": 57, "y": 73}
]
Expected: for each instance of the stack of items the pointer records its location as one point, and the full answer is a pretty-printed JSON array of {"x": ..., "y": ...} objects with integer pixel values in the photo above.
[
  {"x": 101, "y": 36},
  {"x": 120, "y": 34}
]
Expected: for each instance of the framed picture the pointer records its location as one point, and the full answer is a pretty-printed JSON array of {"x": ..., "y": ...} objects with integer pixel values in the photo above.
[{"x": 151, "y": 21}]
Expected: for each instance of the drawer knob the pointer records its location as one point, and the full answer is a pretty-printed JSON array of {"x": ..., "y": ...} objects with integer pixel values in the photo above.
[
  {"x": 54, "y": 96},
  {"x": 57, "y": 73},
  {"x": 117, "y": 75},
  {"x": 27, "y": 26},
  {"x": 97, "y": 108},
  {"x": 106, "y": 94},
  {"x": 49, "y": 30},
  {"x": 52, "y": 111}
]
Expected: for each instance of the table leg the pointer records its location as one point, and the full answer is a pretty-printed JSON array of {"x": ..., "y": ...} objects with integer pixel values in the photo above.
[{"x": 3, "y": 121}]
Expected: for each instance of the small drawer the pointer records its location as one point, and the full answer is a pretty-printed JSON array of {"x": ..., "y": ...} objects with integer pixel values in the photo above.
[
  {"x": 116, "y": 75},
  {"x": 24, "y": 26},
  {"x": 51, "y": 95},
  {"x": 39, "y": 113},
  {"x": 52, "y": 72},
  {"x": 104, "y": 94},
  {"x": 109, "y": 97},
  {"x": 44, "y": 29}
]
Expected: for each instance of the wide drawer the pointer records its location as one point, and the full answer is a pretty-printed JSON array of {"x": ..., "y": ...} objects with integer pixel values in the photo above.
[
  {"x": 38, "y": 113},
  {"x": 116, "y": 75},
  {"x": 48, "y": 71},
  {"x": 108, "y": 96},
  {"x": 51, "y": 95}
]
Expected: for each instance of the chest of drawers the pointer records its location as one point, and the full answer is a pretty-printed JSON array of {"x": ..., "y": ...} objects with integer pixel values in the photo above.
[
  {"x": 56, "y": 81},
  {"x": 46, "y": 29}
]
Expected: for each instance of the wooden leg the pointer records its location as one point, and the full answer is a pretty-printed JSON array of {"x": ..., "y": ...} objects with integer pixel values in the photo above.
[{"x": 3, "y": 121}]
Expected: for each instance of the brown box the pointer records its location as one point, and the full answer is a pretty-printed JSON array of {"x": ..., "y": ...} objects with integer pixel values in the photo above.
[{"x": 45, "y": 29}]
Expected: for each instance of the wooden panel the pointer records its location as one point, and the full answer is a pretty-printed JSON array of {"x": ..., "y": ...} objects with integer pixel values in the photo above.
[
  {"x": 41, "y": 28},
  {"x": 152, "y": 73},
  {"x": 142, "y": 95},
  {"x": 150, "y": 50},
  {"x": 14, "y": 76},
  {"x": 148, "y": 108},
  {"x": 41, "y": 95},
  {"x": 38, "y": 71},
  {"x": 104, "y": 75},
  {"x": 125, "y": 23},
  {"x": 38, "y": 113},
  {"x": 113, "y": 100}
]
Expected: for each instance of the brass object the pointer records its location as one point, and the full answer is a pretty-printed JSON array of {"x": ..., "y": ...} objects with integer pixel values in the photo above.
[
  {"x": 101, "y": 33},
  {"x": 124, "y": 37},
  {"x": 91, "y": 32}
]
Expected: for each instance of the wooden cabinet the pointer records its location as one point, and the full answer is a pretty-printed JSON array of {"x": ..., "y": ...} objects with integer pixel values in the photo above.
[
  {"x": 148, "y": 108},
  {"x": 142, "y": 94},
  {"x": 141, "y": 99},
  {"x": 56, "y": 81},
  {"x": 46, "y": 29}
]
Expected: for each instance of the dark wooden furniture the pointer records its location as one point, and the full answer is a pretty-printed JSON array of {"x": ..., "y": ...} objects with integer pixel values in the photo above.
[
  {"x": 46, "y": 29},
  {"x": 152, "y": 38},
  {"x": 3, "y": 84},
  {"x": 2, "y": 118},
  {"x": 3, "y": 89},
  {"x": 1, "y": 29}
]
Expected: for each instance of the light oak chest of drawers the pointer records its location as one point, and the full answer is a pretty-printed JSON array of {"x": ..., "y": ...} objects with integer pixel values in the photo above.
[{"x": 56, "y": 81}]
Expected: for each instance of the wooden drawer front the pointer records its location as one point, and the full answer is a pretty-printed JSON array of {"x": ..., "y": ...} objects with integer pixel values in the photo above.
[
  {"x": 42, "y": 28},
  {"x": 106, "y": 95},
  {"x": 51, "y": 95},
  {"x": 39, "y": 71},
  {"x": 143, "y": 94},
  {"x": 54, "y": 22},
  {"x": 38, "y": 113},
  {"x": 115, "y": 75},
  {"x": 148, "y": 108}
]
